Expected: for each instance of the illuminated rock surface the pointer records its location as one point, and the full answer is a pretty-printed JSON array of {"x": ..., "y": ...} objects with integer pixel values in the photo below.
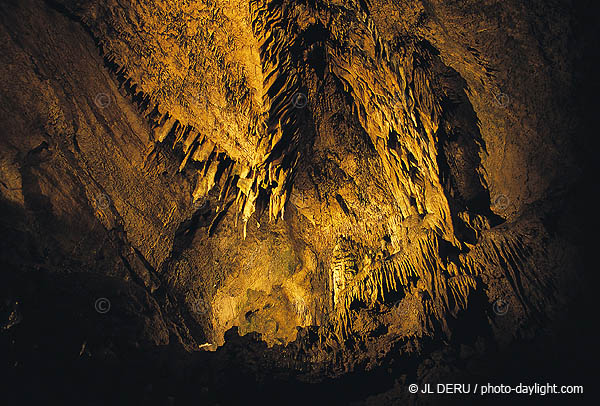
[{"x": 388, "y": 192}]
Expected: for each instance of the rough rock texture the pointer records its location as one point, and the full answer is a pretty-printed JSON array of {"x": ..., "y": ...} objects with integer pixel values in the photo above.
[{"x": 388, "y": 192}]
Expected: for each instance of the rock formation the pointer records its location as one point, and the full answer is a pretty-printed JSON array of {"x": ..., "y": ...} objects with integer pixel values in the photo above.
[{"x": 292, "y": 197}]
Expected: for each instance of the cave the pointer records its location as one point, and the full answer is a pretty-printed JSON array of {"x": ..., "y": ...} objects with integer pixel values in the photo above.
[{"x": 326, "y": 202}]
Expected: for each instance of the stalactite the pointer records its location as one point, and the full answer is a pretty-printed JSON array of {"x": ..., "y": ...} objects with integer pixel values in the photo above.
[{"x": 449, "y": 291}]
